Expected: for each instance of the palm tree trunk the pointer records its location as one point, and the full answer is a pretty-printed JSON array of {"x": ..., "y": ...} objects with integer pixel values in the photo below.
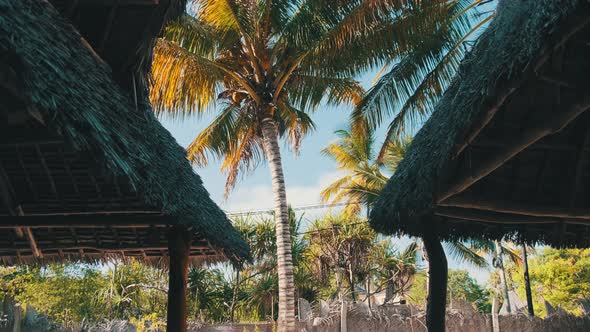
[
  {"x": 437, "y": 282},
  {"x": 503, "y": 275},
  {"x": 527, "y": 282},
  {"x": 351, "y": 283},
  {"x": 286, "y": 319},
  {"x": 234, "y": 298}
]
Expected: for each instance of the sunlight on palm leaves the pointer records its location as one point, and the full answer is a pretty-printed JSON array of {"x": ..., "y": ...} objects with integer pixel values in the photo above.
[
  {"x": 363, "y": 179},
  {"x": 279, "y": 60},
  {"x": 409, "y": 84}
]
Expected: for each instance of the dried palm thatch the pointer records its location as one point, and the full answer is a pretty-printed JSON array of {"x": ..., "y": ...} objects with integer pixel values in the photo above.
[
  {"x": 504, "y": 153},
  {"x": 50, "y": 71}
]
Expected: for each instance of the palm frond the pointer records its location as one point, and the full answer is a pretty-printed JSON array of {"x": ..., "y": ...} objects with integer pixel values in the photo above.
[
  {"x": 463, "y": 253},
  {"x": 294, "y": 124},
  {"x": 420, "y": 103},
  {"x": 309, "y": 91},
  {"x": 411, "y": 88},
  {"x": 182, "y": 82}
]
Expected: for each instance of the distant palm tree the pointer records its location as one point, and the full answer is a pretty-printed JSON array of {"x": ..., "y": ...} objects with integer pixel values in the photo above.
[
  {"x": 364, "y": 176},
  {"x": 395, "y": 269},
  {"x": 269, "y": 63},
  {"x": 340, "y": 243},
  {"x": 497, "y": 250}
]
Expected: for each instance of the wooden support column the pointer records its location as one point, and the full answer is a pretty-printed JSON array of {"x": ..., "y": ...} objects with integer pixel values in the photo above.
[
  {"x": 437, "y": 281},
  {"x": 179, "y": 243}
]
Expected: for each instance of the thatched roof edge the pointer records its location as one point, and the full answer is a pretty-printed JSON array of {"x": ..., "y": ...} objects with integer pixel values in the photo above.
[
  {"x": 62, "y": 77},
  {"x": 504, "y": 52}
]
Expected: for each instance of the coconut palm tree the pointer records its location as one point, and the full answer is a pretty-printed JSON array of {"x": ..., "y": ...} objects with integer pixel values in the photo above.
[
  {"x": 365, "y": 176},
  {"x": 395, "y": 269},
  {"x": 262, "y": 65}
]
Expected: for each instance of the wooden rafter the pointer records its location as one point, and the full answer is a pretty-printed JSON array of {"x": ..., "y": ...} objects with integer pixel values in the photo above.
[
  {"x": 120, "y": 2},
  {"x": 85, "y": 221},
  {"x": 6, "y": 191},
  {"x": 492, "y": 217},
  {"x": 547, "y": 126},
  {"x": 575, "y": 25},
  {"x": 68, "y": 171},
  {"x": 26, "y": 174},
  {"x": 36, "y": 251},
  {"x": 510, "y": 207},
  {"x": 109, "y": 24},
  {"x": 581, "y": 158},
  {"x": 47, "y": 171}
]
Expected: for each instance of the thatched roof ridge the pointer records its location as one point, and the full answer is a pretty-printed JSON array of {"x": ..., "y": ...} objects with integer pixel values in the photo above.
[
  {"x": 79, "y": 99},
  {"x": 505, "y": 52}
]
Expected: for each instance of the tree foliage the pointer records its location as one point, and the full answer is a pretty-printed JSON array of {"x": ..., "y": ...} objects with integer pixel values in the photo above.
[
  {"x": 559, "y": 276},
  {"x": 460, "y": 285}
]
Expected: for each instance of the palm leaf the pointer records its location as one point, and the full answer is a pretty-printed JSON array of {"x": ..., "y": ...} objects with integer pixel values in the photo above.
[
  {"x": 463, "y": 253},
  {"x": 183, "y": 83}
]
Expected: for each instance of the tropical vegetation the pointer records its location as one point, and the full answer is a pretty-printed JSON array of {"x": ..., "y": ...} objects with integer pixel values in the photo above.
[{"x": 263, "y": 66}]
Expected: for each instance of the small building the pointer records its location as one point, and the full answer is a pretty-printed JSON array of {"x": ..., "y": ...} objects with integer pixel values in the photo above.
[
  {"x": 86, "y": 170},
  {"x": 506, "y": 152}
]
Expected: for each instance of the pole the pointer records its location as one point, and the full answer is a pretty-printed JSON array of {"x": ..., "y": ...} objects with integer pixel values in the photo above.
[
  {"x": 500, "y": 265},
  {"x": 527, "y": 282},
  {"x": 179, "y": 243},
  {"x": 437, "y": 283}
]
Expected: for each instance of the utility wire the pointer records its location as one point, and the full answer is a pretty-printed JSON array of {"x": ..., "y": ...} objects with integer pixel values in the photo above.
[
  {"x": 299, "y": 208},
  {"x": 302, "y": 208}
]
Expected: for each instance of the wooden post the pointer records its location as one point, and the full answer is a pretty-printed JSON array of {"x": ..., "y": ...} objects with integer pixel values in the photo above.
[
  {"x": 503, "y": 280},
  {"x": 179, "y": 243},
  {"x": 495, "y": 310},
  {"x": 527, "y": 283},
  {"x": 437, "y": 282}
]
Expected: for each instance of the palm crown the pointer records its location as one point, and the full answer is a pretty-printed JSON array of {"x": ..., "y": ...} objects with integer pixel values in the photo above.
[
  {"x": 277, "y": 60},
  {"x": 364, "y": 178}
]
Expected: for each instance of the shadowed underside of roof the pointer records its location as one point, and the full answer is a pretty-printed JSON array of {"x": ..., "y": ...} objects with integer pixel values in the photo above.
[
  {"x": 506, "y": 151},
  {"x": 52, "y": 79}
]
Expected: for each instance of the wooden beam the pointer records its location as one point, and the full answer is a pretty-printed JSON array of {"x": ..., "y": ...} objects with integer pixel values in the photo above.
[
  {"x": 69, "y": 13},
  {"x": 6, "y": 191},
  {"x": 579, "y": 169},
  {"x": 114, "y": 249},
  {"x": 504, "y": 93},
  {"x": 510, "y": 207},
  {"x": 61, "y": 221},
  {"x": 547, "y": 126},
  {"x": 492, "y": 217},
  {"x": 34, "y": 248},
  {"x": 66, "y": 166},
  {"x": 27, "y": 175},
  {"x": 47, "y": 171},
  {"x": 104, "y": 3},
  {"x": 574, "y": 24},
  {"x": 556, "y": 79},
  {"x": 179, "y": 242},
  {"x": 109, "y": 25},
  {"x": 572, "y": 27}
]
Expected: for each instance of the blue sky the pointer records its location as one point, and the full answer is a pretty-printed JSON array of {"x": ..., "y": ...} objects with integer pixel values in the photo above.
[{"x": 305, "y": 175}]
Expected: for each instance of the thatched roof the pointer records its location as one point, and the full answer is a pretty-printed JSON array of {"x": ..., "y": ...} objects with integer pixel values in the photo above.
[
  {"x": 504, "y": 151},
  {"x": 49, "y": 71}
]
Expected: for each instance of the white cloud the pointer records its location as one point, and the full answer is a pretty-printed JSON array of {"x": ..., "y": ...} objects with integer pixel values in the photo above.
[{"x": 260, "y": 197}]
